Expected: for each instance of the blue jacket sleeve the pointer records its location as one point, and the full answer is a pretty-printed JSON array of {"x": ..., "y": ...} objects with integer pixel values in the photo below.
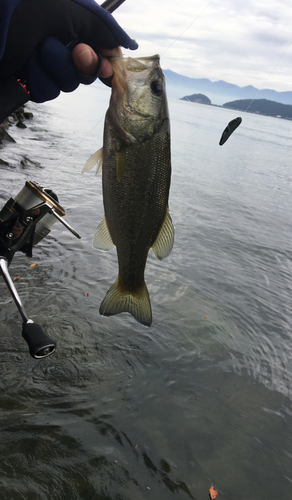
[{"x": 34, "y": 35}]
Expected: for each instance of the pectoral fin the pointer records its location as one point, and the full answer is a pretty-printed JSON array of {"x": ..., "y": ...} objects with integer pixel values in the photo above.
[
  {"x": 120, "y": 162},
  {"x": 95, "y": 160},
  {"x": 164, "y": 241},
  {"x": 102, "y": 238}
]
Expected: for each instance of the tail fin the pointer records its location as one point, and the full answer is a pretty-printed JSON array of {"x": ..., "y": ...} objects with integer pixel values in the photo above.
[{"x": 136, "y": 303}]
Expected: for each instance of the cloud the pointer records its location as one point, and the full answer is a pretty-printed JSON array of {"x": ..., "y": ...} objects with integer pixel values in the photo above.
[{"x": 240, "y": 41}]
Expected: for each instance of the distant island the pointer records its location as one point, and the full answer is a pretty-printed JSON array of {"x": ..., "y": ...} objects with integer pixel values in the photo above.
[
  {"x": 200, "y": 98},
  {"x": 258, "y": 106},
  {"x": 262, "y": 107}
]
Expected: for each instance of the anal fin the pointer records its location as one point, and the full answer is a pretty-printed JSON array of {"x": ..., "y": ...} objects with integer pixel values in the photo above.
[
  {"x": 102, "y": 238},
  {"x": 164, "y": 241}
]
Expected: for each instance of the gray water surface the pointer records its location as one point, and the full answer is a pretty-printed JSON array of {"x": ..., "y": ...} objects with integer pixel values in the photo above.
[{"x": 122, "y": 412}]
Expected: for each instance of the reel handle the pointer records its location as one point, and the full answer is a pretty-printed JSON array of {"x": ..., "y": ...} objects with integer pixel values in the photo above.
[{"x": 39, "y": 343}]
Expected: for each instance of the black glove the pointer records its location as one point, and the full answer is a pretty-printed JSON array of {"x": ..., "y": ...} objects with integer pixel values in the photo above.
[{"x": 34, "y": 35}]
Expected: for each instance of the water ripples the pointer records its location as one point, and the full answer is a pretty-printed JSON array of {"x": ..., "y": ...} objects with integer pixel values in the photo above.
[{"x": 204, "y": 395}]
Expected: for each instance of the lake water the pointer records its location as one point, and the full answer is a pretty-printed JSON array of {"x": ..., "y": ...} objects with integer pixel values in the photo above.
[{"x": 204, "y": 396}]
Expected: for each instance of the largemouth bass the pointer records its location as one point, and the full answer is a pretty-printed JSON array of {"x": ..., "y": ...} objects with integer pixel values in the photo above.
[{"x": 136, "y": 171}]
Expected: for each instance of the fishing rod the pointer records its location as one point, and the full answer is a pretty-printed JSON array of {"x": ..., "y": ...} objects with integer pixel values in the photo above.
[
  {"x": 28, "y": 217},
  {"x": 111, "y": 5}
]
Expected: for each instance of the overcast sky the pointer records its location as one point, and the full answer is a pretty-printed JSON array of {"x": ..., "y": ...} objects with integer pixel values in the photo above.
[{"x": 239, "y": 41}]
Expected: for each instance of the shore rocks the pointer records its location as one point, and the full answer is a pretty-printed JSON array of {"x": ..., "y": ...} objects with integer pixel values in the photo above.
[{"x": 17, "y": 118}]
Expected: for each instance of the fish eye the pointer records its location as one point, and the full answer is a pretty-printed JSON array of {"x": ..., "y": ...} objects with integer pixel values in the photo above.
[{"x": 157, "y": 87}]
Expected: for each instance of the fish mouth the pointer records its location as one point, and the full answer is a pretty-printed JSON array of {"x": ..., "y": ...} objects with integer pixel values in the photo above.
[{"x": 138, "y": 64}]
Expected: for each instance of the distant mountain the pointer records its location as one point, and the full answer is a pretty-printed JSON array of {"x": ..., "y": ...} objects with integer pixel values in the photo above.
[
  {"x": 262, "y": 106},
  {"x": 219, "y": 92},
  {"x": 200, "y": 98}
]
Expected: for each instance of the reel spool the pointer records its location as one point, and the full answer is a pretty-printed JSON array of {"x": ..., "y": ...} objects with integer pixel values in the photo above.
[{"x": 24, "y": 221}]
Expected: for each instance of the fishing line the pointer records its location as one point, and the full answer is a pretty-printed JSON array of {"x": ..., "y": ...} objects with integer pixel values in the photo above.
[
  {"x": 258, "y": 90},
  {"x": 176, "y": 39},
  {"x": 162, "y": 54},
  {"x": 81, "y": 140},
  {"x": 271, "y": 72},
  {"x": 73, "y": 149}
]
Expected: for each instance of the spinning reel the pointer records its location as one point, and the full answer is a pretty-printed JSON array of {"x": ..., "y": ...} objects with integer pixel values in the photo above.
[{"x": 24, "y": 221}]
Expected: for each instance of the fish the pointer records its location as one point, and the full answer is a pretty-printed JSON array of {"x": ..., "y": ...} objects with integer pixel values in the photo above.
[
  {"x": 231, "y": 127},
  {"x": 136, "y": 173}
]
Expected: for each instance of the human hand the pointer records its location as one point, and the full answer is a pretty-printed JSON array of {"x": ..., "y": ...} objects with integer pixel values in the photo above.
[
  {"x": 86, "y": 60},
  {"x": 34, "y": 40}
]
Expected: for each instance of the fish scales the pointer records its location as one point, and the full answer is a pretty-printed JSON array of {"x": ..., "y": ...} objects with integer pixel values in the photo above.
[
  {"x": 136, "y": 180},
  {"x": 135, "y": 205}
]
